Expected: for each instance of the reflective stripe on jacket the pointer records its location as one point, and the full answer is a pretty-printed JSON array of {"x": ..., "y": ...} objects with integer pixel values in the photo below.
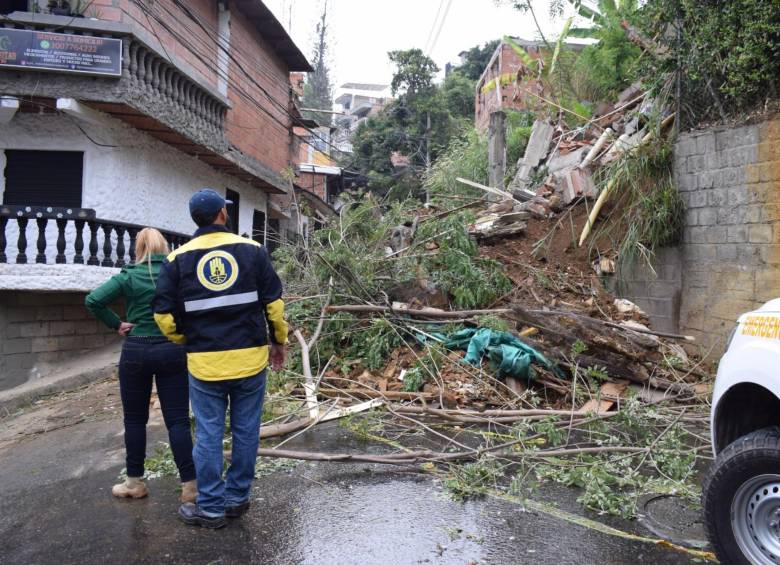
[{"x": 219, "y": 295}]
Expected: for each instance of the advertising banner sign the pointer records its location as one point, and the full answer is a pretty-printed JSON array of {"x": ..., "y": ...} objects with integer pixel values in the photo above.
[{"x": 41, "y": 50}]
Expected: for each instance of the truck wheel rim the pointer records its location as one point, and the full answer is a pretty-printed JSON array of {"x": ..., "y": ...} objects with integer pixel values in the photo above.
[{"x": 755, "y": 519}]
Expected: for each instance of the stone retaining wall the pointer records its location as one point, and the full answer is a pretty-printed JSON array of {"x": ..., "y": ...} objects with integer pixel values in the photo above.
[{"x": 37, "y": 330}]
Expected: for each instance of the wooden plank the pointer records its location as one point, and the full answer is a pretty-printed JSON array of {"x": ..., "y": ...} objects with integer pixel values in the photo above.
[{"x": 608, "y": 395}]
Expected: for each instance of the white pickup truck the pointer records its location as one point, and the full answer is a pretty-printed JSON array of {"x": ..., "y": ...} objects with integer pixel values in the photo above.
[{"x": 741, "y": 495}]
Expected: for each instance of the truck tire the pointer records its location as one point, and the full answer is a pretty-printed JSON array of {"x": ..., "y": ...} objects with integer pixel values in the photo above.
[{"x": 741, "y": 500}]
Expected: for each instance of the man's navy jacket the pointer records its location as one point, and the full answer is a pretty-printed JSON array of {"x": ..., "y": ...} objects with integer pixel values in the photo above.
[{"x": 219, "y": 296}]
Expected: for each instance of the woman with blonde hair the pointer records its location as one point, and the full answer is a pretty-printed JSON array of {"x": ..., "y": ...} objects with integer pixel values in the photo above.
[{"x": 147, "y": 355}]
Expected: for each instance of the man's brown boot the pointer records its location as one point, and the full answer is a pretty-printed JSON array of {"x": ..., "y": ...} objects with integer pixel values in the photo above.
[
  {"x": 189, "y": 491},
  {"x": 133, "y": 487}
]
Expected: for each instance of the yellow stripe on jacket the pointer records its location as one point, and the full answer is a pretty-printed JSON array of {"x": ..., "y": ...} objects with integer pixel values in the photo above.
[
  {"x": 167, "y": 326},
  {"x": 237, "y": 363},
  {"x": 275, "y": 313},
  {"x": 209, "y": 241}
]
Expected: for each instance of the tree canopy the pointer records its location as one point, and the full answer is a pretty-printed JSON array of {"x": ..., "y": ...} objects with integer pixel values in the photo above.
[
  {"x": 477, "y": 59},
  {"x": 318, "y": 92},
  {"x": 414, "y": 72}
]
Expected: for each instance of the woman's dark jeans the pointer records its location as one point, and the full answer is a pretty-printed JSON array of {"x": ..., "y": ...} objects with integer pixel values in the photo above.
[{"x": 142, "y": 360}]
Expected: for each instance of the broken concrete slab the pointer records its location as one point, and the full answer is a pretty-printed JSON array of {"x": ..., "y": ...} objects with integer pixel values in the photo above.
[
  {"x": 575, "y": 183},
  {"x": 647, "y": 107},
  {"x": 536, "y": 150},
  {"x": 501, "y": 207},
  {"x": 631, "y": 126},
  {"x": 622, "y": 144},
  {"x": 559, "y": 162},
  {"x": 512, "y": 217},
  {"x": 497, "y": 230},
  {"x": 629, "y": 93},
  {"x": 538, "y": 208}
]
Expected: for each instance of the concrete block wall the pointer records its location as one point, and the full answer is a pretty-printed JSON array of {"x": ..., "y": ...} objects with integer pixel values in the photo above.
[
  {"x": 729, "y": 259},
  {"x": 657, "y": 290},
  {"x": 39, "y": 329}
]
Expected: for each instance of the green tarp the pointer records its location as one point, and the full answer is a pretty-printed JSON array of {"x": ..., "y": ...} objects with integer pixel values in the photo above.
[{"x": 508, "y": 355}]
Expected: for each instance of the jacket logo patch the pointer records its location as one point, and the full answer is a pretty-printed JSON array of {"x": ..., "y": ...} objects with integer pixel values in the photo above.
[{"x": 217, "y": 270}]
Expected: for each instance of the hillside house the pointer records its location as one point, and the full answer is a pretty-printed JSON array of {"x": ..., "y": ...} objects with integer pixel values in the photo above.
[
  {"x": 357, "y": 101},
  {"x": 109, "y": 123},
  {"x": 506, "y": 63}
]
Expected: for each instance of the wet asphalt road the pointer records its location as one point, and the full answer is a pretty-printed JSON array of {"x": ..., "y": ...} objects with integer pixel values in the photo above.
[{"x": 56, "y": 507}]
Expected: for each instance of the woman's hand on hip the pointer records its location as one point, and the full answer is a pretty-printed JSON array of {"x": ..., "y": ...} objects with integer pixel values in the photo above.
[{"x": 124, "y": 328}]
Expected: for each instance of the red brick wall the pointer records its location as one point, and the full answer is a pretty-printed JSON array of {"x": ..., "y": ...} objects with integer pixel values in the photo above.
[
  {"x": 507, "y": 62},
  {"x": 314, "y": 183},
  {"x": 263, "y": 134},
  {"x": 199, "y": 49},
  {"x": 110, "y": 10},
  {"x": 301, "y": 148}
]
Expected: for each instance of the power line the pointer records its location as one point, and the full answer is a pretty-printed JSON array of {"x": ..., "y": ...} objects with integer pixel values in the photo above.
[
  {"x": 208, "y": 64},
  {"x": 433, "y": 25},
  {"x": 210, "y": 30},
  {"x": 223, "y": 74},
  {"x": 441, "y": 26}
]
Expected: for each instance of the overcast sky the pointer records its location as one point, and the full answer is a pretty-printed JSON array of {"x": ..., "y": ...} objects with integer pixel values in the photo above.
[{"x": 363, "y": 31}]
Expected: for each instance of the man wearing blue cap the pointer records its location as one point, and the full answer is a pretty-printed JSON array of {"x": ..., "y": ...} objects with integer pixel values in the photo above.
[{"x": 220, "y": 296}]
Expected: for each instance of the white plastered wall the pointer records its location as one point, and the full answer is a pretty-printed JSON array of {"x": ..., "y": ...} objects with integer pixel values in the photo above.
[{"x": 128, "y": 176}]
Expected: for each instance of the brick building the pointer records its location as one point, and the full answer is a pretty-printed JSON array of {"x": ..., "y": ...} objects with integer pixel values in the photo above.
[
  {"x": 503, "y": 68},
  {"x": 108, "y": 123}
]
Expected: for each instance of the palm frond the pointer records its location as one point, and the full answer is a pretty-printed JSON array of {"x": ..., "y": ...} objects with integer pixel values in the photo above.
[
  {"x": 608, "y": 8},
  {"x": 527, "y": 60},
  {"x": 587, "y": 13},
  {"x": 559, "y": 43}
]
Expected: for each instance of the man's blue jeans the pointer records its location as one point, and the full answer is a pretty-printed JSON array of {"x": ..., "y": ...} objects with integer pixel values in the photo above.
[{"x": 209, "y": 403}]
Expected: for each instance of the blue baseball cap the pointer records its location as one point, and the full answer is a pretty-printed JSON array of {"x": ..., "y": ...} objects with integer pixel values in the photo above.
[{"x": 205, "y": 204}]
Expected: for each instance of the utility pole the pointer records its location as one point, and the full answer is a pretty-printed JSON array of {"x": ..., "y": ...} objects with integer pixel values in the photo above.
[
  {"x": 427, "y": 151},
  {"x": 497, "y": 150}
]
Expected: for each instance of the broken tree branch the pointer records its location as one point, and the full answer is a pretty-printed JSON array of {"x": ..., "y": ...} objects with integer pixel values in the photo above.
[
  {"x": 416, "y": 457},
  {"x": 602, "y": 199},
  {"x": 420, "y": 312}
]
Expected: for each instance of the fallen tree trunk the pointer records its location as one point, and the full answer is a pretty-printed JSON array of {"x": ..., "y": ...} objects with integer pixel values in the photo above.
[
  {"x": 415, "y": 457},
  {"x": 370, "y": 393},
  {"x": 607, "y": 323},
  {"x": 415, "y": 312},
  {"x": 618, "y": 347},
  {"x": 276, "y": 430},
  {"x": 485, "y": 413}
]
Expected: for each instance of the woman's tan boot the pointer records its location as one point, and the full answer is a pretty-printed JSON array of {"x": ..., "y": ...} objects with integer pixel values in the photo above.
[
  {"x": 189, "y": 492},
  {"x": 133, "y": 487}
]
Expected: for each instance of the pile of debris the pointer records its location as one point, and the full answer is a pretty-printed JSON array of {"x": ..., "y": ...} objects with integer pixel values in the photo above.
[
  {"x": 556, "y": 309},
  {"x": 449, "y": 315},
  {"x": 559, "y": 164}
]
